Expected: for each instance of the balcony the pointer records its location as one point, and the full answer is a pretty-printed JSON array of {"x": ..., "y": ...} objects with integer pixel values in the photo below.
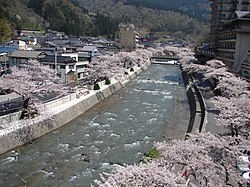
[
  {"x": 226, "y": 50},
  {"x": 80, "y": 70},
  {"x": 245, "y": 3},
  {"x": 245, "y": 65}
]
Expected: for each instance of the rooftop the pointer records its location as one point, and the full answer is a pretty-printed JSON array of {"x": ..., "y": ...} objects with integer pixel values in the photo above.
[
  {"x": 26, "y": 54},
  {"x": 60, "y": 59}
]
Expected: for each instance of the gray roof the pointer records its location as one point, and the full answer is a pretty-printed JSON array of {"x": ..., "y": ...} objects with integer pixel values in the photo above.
[
  {"x": 26, "y": 54},
  {"x": 60, "y": 59},
  {"x": 241, "y": 14},
  {"x": 89, "y": 48},
  {"x": 83, "y": 54}
]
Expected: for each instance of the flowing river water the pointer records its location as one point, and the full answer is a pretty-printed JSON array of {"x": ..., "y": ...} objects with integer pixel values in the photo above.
[{"x": 117, "y": 131}]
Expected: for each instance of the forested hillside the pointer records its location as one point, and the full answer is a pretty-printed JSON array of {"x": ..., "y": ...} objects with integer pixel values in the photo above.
[
  {"x": 194, "y": 8},
  {"x": 14, "y": 15},
  {"x": 60, "y": 15},
  {"x": 152, "y": 19},
  {"x": 75, "y": 17}
]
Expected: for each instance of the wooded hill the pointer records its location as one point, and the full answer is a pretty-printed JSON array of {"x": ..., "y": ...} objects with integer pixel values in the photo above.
[
  {"x": 75, "y": 17},
  {"x": 158, "y": 15},
  {"x": 60, "y": 15},
  {"x": 195, "y": 8}
]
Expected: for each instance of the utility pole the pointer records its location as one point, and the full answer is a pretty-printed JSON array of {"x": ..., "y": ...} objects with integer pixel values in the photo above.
[
  {"x": 56, "y": 62},
  {"x": 5, "y": 64}
]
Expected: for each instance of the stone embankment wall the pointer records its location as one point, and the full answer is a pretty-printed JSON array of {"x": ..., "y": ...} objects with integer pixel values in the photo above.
[{"x": 63, "y": 110}]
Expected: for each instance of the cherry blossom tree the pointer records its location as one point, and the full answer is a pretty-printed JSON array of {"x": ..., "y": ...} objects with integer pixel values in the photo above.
[
  {"x": 234, "y": 113},
  {"x": 31, "y": 80},
  {"x": 202, "y": 159},
  {"x": 210, "y": 159},
  {"x": 233, "y": 103},
  {"x": 227, "y": 83},
  {"x": 115, "y": 66},
  {"x": 141, "y": 175}
]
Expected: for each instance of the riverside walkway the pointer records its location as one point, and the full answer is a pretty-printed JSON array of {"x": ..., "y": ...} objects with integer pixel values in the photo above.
[{"x": 203, "y": 117}]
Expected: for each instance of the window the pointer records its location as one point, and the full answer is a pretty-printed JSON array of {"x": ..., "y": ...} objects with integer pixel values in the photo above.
[
  {"x": 71, "y": 66},
  {"x": 82, "y": 58},
  {"x": 244, "y": 8},
  {"x": 62, "y": 66},
  {"x": 52, "y": 66},
  {"x": 59, "y": 75},
  {"x": 81, "y": 66}
]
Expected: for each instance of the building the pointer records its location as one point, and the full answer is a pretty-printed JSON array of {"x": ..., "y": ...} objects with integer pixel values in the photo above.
[
  {"x": 244, "y": 68},
  {"x": 21, "y": 57},
  {"x": 128, "y": 39},
  {"x": 90, "y": 49},
  {"x": 82, "y": 59},
  {"x": 222, "y": 10},
  {"x": 64, "y": 66},
  {"x": 230, "y": 31},
  {"x": 234, "y": 40}
]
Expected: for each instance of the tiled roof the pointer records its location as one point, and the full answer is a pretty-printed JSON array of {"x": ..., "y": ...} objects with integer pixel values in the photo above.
[
  {"x": 88, "y": 48},
  {"x": 60, "y": 59},
  {"x": 26, "y": 54}
]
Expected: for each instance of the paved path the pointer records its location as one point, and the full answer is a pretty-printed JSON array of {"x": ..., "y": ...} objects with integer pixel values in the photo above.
[{"x": 210, "y": 123}]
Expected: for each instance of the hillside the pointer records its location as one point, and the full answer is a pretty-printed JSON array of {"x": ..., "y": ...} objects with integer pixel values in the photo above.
[
  {"x": 195, "y": 8},
  {"x": 60, "y": 15},
  {"x": 153, "y": 19},
  {"x": 15, "y": 15},
  {"x": 73, "y": 17}
]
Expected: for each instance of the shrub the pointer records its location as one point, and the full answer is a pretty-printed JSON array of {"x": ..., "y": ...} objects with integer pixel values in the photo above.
[
  {"x": 24, "y": 114},
  {"x": 149, "y": 156},
  {"x": 107, "y": 82},
  {"x": 153, "y": 153},
  {"x": 126, "y": 73},
  {"x": 96, "y": 86},
  {"x": 131, "y": 69}
]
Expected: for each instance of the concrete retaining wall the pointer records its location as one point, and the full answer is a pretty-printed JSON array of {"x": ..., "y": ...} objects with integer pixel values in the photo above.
[
  {"x": 191, "y": 101},
  {"x": 9, "y": 118},
  {"x": 22, "y": 132},
  {"x": 196, "y": 104}
]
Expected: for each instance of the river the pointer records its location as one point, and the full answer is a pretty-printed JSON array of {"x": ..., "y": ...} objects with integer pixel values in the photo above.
[{"x": 117, "y": 131}]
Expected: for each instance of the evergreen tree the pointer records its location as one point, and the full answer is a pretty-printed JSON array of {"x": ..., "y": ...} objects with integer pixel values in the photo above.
[{"x": 5, "y": 31}]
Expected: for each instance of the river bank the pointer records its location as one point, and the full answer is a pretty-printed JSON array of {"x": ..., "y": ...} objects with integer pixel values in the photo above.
[{"x": 61, "y": 112}]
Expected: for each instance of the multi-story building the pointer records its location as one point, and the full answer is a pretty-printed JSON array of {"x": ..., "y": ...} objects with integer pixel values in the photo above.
[
  {"x": 230, "y": 31},
  {"x": 82, "y": 59},
  {"x": 234, "y": 40},
  {"x": 128, "y": 39},
  {"x": 63, "y": 65},
  {"x": 222, "y": 10}
]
